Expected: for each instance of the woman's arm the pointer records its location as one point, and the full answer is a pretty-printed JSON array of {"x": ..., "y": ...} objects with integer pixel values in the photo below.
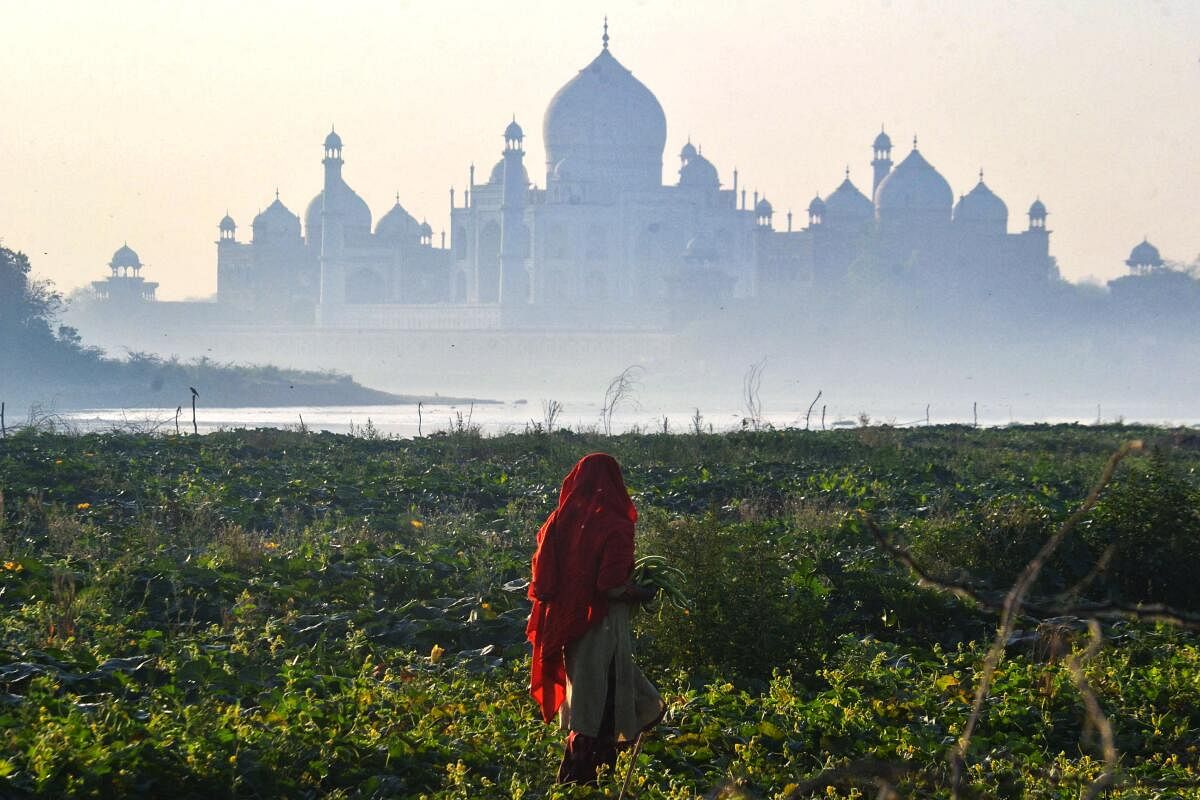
[{"x": 616, "y": 560}]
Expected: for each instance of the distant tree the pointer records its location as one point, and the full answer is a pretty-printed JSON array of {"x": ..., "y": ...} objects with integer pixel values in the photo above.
[
  {"x": 35, "y": 350},
  {"x": 27, "y": 307}
]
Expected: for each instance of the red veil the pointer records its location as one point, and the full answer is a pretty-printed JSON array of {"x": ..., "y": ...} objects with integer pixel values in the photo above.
[{"x": 584, "y": 549}]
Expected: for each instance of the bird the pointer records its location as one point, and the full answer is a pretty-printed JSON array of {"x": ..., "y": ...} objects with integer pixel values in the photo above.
[{"x": 194, "y": 392}]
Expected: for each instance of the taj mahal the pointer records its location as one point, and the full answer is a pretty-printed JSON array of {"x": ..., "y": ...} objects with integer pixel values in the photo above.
[{"x": 603, "y": 242}]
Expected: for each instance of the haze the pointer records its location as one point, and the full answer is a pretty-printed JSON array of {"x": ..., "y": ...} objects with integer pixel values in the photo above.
[{"x": 146, "y": 122}]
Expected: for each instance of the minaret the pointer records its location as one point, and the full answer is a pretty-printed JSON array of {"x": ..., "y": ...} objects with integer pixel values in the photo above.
[
  {"x": 228, "y": 229},
  {"x": 1037, "y": 215},
  {"x": 883, "y": 158},
  {"x": 333, "y": 280},
  {"x": 514, "y": 280}
]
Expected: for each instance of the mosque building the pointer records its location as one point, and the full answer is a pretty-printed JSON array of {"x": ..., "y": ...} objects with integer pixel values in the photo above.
[{"x": 603, "y": 242}]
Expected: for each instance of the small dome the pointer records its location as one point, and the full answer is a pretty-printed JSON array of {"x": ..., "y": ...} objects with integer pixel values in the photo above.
[
  {"x": 333, "y": 141},
  {"x": 276, "y": 220},
  {"x": 699, "y": 171},
  {"x": 497, "y": 176},
  {"x": 688, "y": 152},
  {"x": 426, "y": 230},
  {"x": 1037, "y": 210},
  {"x": 764, "y": 208},
  {"x": 882, "y": 141},
  {"x": 397, "y": 225},
  {"x": 1144, "y": 255},
  {"x": 914, "y": 185},
  {"x": 227, "y": 223},
  {"x": 125, "y": 257},
  {"x": 817, "y": 206},
  {"x": 981, "y": 205},
  {"x": 847, "y": 203},
  {"x": 513, "y": 131}
]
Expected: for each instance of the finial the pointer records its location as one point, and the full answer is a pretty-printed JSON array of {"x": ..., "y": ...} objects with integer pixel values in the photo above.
[
  {"x": 981, "y": 174},
  {"x": 398, "y": 198},
  {"x": 847, "y": 172},
  {"x": 276, "y": 192},
  {"x": 914, "y": 141},
  {"x": 604, "y": 38}
]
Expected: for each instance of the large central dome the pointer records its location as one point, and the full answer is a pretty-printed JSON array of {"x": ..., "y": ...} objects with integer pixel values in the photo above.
[
  {"x": 607, "y": 125},
  {"x": 914, "y": 192}
]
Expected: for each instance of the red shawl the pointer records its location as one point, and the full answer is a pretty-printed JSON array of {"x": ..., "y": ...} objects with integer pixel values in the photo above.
[{"x": 584, "y": 549}]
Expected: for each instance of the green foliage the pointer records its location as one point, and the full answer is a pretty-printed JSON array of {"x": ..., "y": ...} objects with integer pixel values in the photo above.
[
  {"x": 273, "y": 613},
  {"x": 1151, "y": 520},
  {"x": 756, "y": 607}
]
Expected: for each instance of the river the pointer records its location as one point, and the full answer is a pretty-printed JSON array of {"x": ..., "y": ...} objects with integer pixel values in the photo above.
[{"x": 514, "y": 417}]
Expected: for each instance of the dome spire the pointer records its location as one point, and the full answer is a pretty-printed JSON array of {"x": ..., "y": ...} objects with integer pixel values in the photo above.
[
  {"x": 981, "y": 174},
  {"x": 604, "y": 38}
]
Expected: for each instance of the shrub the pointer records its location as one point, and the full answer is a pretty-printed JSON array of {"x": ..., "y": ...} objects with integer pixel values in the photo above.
[
  {"x": 1151, "y": 519},
  {"x": 756, "y": 608}
]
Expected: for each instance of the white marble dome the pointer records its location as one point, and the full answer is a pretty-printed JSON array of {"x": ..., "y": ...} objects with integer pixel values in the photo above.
[
  {"x": 847, "y": 203},
  {"x": 608, "y": 124},
  {"x": 914, "y": 186},
  {"x": 982, "y": 205},
  {"x": 397, "y": 225},
  {"x": 1144, "y": 255},
  {"x": 277, "y": 221},
  {"x": 125, "y": 257},
  {"x": 496, "y": 178},
  {"x": 699, "y": 171},
  {"x": 354, "y": 212}
]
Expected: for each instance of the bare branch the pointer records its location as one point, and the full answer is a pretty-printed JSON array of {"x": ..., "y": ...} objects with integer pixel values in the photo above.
[
  {"x": 751, "y": 383},
  {"x": 621, "y": 390},
  {"x": 1095, "y": 714},
  {"x": 1012, "y": 607}
]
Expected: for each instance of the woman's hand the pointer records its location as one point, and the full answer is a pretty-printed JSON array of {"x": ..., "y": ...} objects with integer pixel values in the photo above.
[{"x": 634, "y": 593}]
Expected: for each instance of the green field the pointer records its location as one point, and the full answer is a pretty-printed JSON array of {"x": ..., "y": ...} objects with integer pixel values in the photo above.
[{"x": 288, "y": 614}]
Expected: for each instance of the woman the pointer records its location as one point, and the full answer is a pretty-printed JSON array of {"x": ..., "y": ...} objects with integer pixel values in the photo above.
[{"x": 583, "y": 666}]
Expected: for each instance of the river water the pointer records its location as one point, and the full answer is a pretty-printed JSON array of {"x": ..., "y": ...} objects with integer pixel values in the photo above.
[{"x": 514, "y": 417}]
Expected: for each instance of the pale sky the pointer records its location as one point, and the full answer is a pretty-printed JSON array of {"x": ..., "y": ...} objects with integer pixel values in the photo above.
[{"x": 145, "y": 121}]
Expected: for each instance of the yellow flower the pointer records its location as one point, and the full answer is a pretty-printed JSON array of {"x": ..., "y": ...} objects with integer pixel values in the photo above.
[
  {"x": 416, "y": 523},
  {"x": 83, "y": 506},
  {"x": 13, "y": 566},
  {"x": 57, "y": 461},
  {"x": 271, "y": 545},
  {"x": 435, "y": 653}
]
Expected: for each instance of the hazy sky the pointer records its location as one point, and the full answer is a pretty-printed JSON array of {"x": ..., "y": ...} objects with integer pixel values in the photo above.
[{"x": 145, "y": 121}]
